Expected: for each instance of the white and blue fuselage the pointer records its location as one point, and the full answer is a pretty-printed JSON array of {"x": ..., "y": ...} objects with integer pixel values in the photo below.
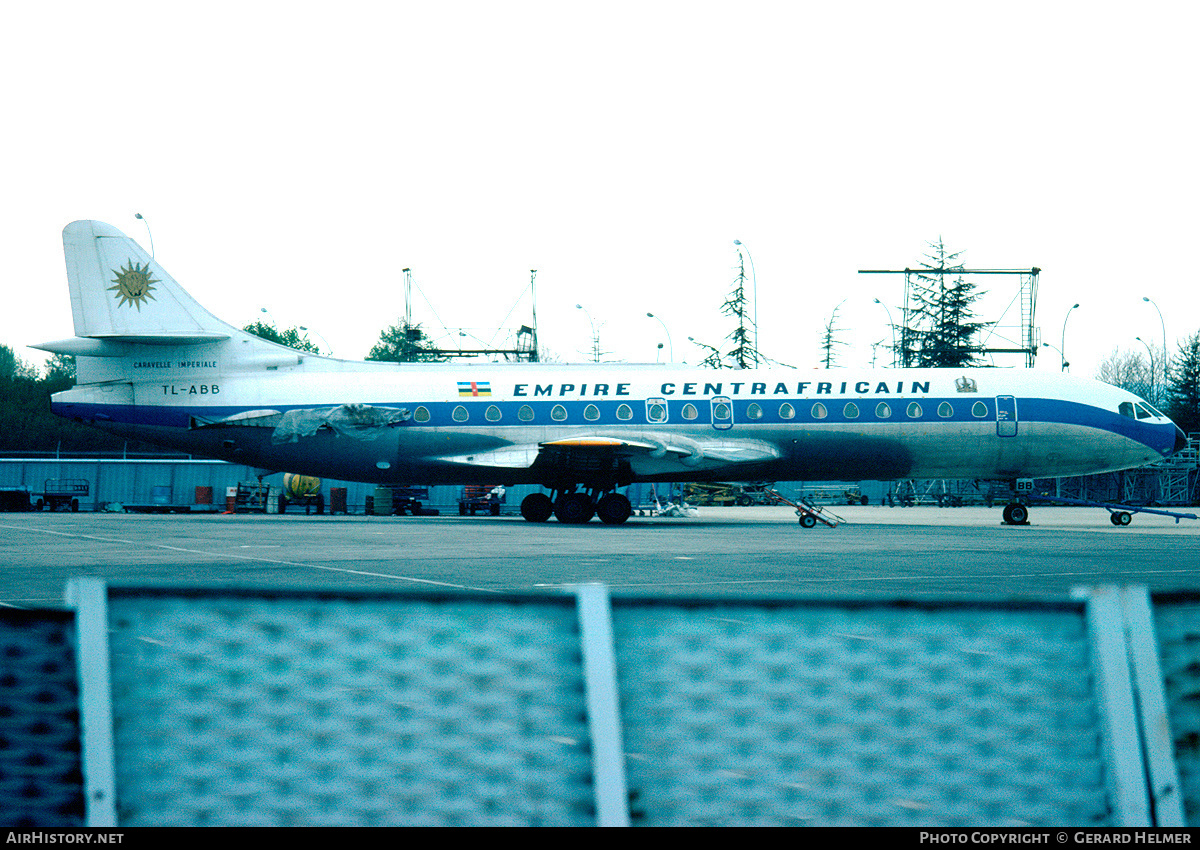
[{"x": 154, "y": 365}]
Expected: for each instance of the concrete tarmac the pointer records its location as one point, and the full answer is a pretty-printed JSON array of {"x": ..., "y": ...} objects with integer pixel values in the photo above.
[{"x": 895, "y": 553}]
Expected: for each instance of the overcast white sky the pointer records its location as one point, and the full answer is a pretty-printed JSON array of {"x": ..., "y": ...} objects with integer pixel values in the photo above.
[{"x": 296, "y": 156}]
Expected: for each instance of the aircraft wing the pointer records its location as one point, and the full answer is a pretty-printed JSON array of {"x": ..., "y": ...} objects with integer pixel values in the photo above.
[{"x": 647, "y": 454}]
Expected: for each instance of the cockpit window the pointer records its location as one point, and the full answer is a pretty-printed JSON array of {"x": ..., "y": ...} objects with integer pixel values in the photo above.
[{"x": 1137, "y": 410}]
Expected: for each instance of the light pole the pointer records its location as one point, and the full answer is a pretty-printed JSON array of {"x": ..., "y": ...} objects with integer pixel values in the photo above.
[
  {"x": 892, "y": 325},
  {"x": 595, "y": 337},
  {"x": 139, "y": 217},
  {"x": 1063, "y": 349},
  {"x": 671, "y": 345},
  {"x": 1164, "y": 333},
  {"x": 1149, "y": 351},
  {"x": 713, "y": 357},
  {"x": 327, "y": 345},
  {"x": 1062, "y": 358}
]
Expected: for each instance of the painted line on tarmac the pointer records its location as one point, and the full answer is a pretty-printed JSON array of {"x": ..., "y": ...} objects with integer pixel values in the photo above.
[{"x": 254, "y": 558}]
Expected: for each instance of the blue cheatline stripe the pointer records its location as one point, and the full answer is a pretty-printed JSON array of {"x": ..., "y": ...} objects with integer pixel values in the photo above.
[{"x": 805, "y": 410}]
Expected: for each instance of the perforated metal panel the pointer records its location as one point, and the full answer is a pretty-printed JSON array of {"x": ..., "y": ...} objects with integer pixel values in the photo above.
[
  {"x": 740, "y": 714},
  {"x": 41, "y": 784},
  {"x": 245, "y": 709},
  {"x": 1177, "y": 623}
]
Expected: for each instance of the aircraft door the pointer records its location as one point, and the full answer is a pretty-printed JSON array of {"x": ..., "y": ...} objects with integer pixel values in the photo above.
[
  {"x": 722, "y": 412},
  {"x": 656, "y": 410},
  {"x": 1006, "y": 416}
]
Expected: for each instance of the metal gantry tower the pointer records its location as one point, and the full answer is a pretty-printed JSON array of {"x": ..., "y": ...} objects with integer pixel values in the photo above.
[{"x": 1026, "y": 297}]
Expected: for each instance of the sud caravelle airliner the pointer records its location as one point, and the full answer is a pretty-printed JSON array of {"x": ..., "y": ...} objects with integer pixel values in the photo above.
[{"x": 154, "y": 365}]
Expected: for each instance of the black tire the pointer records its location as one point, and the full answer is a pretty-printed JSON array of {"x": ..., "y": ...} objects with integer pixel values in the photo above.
[
  {"x": 614, "y": 509},
  {"x": 807, "y": 520},
  {"x": 574, "y": 509},
  {"x": 536, "y": 507},
  {"x": 1124, "y": 518},
  {"x": 1016, "y": 515}
]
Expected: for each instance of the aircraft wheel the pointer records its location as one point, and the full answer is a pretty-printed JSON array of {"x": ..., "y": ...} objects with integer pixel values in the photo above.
[
  {"x": 614, "y": 509},
  {"x": 1016, "y": 514},
  {"x": 807, "y": 520},
  {"x": 537, "y": 507},
  {"x": 574, "y": 509},
  {"x": 1120, "y": 518}
]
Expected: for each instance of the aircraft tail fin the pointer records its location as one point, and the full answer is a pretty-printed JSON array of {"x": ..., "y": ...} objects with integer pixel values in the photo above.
[{"x": 120, "y": 294}]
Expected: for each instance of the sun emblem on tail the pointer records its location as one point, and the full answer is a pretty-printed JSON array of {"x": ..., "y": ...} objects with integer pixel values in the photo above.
[{"x": 133, "y": 284}]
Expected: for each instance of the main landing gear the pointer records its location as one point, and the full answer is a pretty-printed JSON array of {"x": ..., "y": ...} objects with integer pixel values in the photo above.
[
  {"x": 1016, "y": 513},
  {"x": 577, "y": 507}
]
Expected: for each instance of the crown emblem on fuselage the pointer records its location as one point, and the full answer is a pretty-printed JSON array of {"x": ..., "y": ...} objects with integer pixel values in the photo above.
[{"x": 133, "y": 284}]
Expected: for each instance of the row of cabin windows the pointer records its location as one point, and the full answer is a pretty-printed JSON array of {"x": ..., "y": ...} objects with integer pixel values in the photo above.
[{"x": 722, "y": 412}]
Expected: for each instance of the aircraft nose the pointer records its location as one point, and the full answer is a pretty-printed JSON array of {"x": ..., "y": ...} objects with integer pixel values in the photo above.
[{"x": 1181, "y": 440}]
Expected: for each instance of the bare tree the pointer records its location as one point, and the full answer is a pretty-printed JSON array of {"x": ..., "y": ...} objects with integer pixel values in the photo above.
[{"x": 1129, "y": 370}]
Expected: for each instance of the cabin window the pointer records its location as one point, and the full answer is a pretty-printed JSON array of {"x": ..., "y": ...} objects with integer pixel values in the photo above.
[
  {"x": 882, "y": 411},
  {"x": 492, "y": 414},
  {"x": 624, "y": 412},
  {"x": 460, "y": 414},
  {"x": 525, "y": 414},
  {"x": 914, "y": 410},
  {"x": 656, "y": 412},
  {"x": 979, "y": 410},
  {"x": 421, "y": 414},
  {"x": 819, "y": 411},
  {"x": 689, "y": 411},
  {"x": 945, "y": 410},
  {"x": 850, "y": 411},
  {"x": 786, "y": 411},
  {"x": 754, "y": 411},
  {"x": 721, "y": 411},
  {"x": 558, "y": 413},
  {"x": 591, "y": 413}
]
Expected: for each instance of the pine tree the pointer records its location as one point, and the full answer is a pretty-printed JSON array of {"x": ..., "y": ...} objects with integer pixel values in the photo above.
[
  {"x": 1183, "y": 385},
  {"x": 405, "y": 343},
  {"x": 829, "y": 342},
  {"x": 742, "y": 353},
  {"x": 939, "y": 330}
]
